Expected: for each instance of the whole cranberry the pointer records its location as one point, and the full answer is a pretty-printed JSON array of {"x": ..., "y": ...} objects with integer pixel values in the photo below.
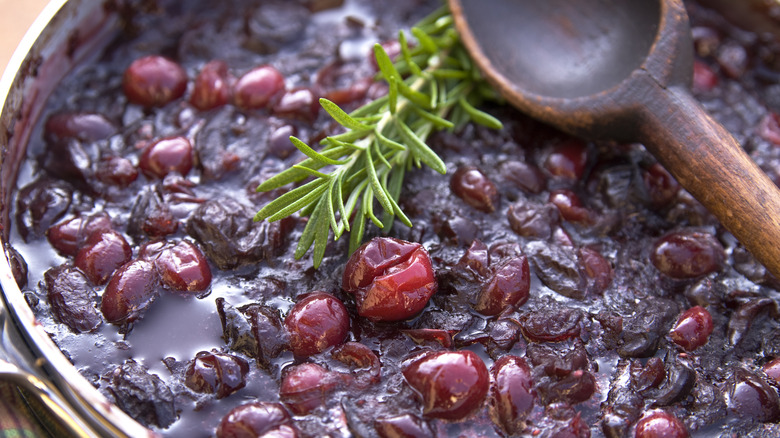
[
  {"x": 569, "y": 205},
  {"x": 258, "y": 88},
  {"x": 750, "y": 397},
  {"x": 687, "y": 254},
  {"x": 661, "y": 185},
  {"x": 117, "y": 171},
  {"x": 660, "y": 424},
  {"x": 68, "y": 236},
  {"x": 512, "y": 394},
  {"x": 183, "y": 267},
  {"x": 452, "y": 384},
  {"x": 315, "y": 323},
  {"x": 154, "y": 81},
  {"x": 306, "y": 386},
  {"x": 692, "y": 329},
  {"x": 298, "y": 103},
  {"x": 216, "y": 373},
  {"x": 212, "y": 86},
  {"x": 131, "y": 290},
  {"x": 257, "y": 419},
  {"x": 567, "y": 160},
  {"x": 508, "y": 287},
  {"x": 392, "y": 279},
  {"x": 102, "y": 254},
  {"x": 475, "y": 188},
  {"x": 172, "y": 154},
  {"x": 772, "y": 369}
]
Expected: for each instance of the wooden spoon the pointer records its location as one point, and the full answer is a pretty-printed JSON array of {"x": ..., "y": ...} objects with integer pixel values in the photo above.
[{"x": 620, "y": 70}]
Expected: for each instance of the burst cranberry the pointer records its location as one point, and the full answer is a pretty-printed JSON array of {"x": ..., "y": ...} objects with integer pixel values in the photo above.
[
  {"x": 772, "y": 369},
  {"x": 183, "y": 267},
  {"x": 212, "y": 86},
  {"x": 687, "y": 254},
  {"x": 392, "y": 279},
  {"x": 475, "y": 188},
  {"x": 552, "y": 324},
  {"x": 306, "y": 386},
  {"x": 81, "y": 126},
  {"x": 567, "y": 160},
  {"x": 258, "y": 88},
  {"x": 508, "y": 287},
  {"x": 403, "y": 426},
  {"x": 367, "y": 369},
  {"x": 525, "y": 176},
  {"x": 216, "y": 373},
  {"x": 72, "y": 299},
  {"x": 420, "y": 336},
  {"x": 257, "y": 419},
  {"x": 512, "y": 394},
  {"x": 692, "y": 329},
  {"x": 315, "y": 323},
  {"x": 597, "y": 269},
  {"x": 661, "y": 185},
  {"x": 569, "y": 205},
  {"x": 117, "y": 171},
  {"x": 660, "y": 424},
  {"x": 298, "y": 103},
  {"x": 452, "y": 384},
  {"x": 704, "y": 78},
  {"x": 67, "y": 237},
  {"x": 102, "y": 254},
  {"x": 750, "y": 397},
  {"x": 172, "y": 154},
  {"x": 154, "y": 81},
  {"x": 131, "y": 290}
]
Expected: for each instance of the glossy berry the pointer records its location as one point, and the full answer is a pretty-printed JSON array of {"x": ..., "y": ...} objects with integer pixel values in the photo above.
[
  {"x": 131, "y": 290},
  {"x": 475, "y": 188},
  {"x": 216, "y": 373},
  {"x": 306, "y": 387},
  {"x": 508, "y": 287},
  {"x": 116, "y": 171},
  {"x": 298, "y": 103},
  {"x": 693, "y": 328},
  {"x": 512, "y": 394},
  {"x": 315, "y": 323},
  {"x": 183, "y": 267},
  {"x": 704, "y": 77},
  {"x": 403, "y": 426},
  {"x": 154, "y": 81},
  {"x": 687, "y": 254},
  {"x": 102, "y": 254},
  {"x": 567, "y": 160},
  {"x": 87, "y": 127},
  {"x": 660, "y": 424},
  {"x": 172, "y": 154},
  {"x": 68, "y": 236},
  {"x": 258, "y": 88},
  {"x": 569, "y": 205},
  {"x": 392, "y": 279},
  {"x": 452, "y": 384},
  {"x": 596, "y": 268},
  {"x": 661, "y": 186},
  {"x": 212, "y": 86},
  {"x": 750, "y": 397},
  {"x": 257, "y": 419},
  {"x": 772, "y": 369}
]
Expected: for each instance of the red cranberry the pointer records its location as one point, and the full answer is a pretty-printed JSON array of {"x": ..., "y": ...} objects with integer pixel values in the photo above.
[
  {"x": 403, "y": 426},
  {"x": 366, "y": 362},
  {"x": 687, "y": 254},
  {"x": 131, "y": 290},
  {"x": 704, "y": 78},
  {"x": 567, "y": 160},
  {"x": 81, "y": 126},
  {"x": 512, "y": 394},
  {"x": 154, "y": 81},
  {"x": 452, "y": 384},
  {"x": 172, "y": 154},
  {"x": 596, "y": 268},
  {"x": 769, "y": 128},
  {"x": 258, "y": 88},
  {"x": 476, "y": 259},
  {"x": 212, "y": 86},
  {"x": 660, "y": 424},
  {"x": 257, "y": 419},
  {"x": 649, "y": 376},
  {"x": 750, "y": 397},
  {"x": 315, "y": 323},
  {"x": 216, "y": 373},
  {"x": 692, "y": 329},
  {"x": 772, "y": 369},
  {"x": 67, "y": 237},
  {"x": 441, "y": 337},
  {"x": 569, "y": 205},
  {"x": 306, "y": 386},
  {"x": 476, "y": 189},
  {"x": 661, "y": 185},
  {"x": 102, "y": 254},
  {"x": 298, "y": 103},
  {"x": 508, "y": 287},
  {"x": 392, "y": 279},
  {"x": 183, "y": 267},
  {"x": 117, "y": 171}
]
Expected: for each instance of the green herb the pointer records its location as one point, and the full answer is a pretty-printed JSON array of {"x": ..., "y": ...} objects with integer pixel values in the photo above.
[{"x": 432, "y": 85}]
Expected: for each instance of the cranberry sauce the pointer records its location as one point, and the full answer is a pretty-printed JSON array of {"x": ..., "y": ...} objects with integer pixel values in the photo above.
[{"x": 550, "y": 286}]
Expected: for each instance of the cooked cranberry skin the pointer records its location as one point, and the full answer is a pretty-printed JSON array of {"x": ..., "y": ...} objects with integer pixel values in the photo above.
[
  {"x": 102, "y": 254},
  {"x": 172, "y": 154},
  {"x": 475, "y": 188},
  {"x": 81, "y": 126},
  {"x": 660, "y": 424},
  {"x": 452, "y": 384},
  {"x": 508, "y": 287},
  {"x": 704, "y": 78},
  {"x": 693, "y": 328},
  {"x": 131, "y": 290},
  {"x": 216, "y": 373},
  {"x": 71, "y": 298},
  {"x": 212, "y": 86},
  {"x": 306, "y": 386},
  {"x": 687, "y": 254},
  {"x": 117, "y": 171},
  {"x": 258, "y": 88},
  {"x": 661, "y": 186},
  {"x": 315, "y": 323},
  {"x": 257, "y": 419},
  {"x": 403, "y": 426},
  {"x": 392, "y": 279},
  {"x": 567, "y": 160},
  {"x": 569, "y": 205},
  {"x": 772, "y": 369},
  {"x": 154, "y": 81},
  {"x": 68, "y": 236},
  {"x": 512, "y": 394},
  {"x": 298, "y": 103},
  {"x": 750, "y": 397},
  {"x": 183, "y": 267}
]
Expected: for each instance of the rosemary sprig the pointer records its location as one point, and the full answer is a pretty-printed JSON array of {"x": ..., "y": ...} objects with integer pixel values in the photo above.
[{"x": 432, "y": 85}]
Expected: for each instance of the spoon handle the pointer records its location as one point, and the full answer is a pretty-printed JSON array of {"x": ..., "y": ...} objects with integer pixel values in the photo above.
[{"x": 708, "y": 161}]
